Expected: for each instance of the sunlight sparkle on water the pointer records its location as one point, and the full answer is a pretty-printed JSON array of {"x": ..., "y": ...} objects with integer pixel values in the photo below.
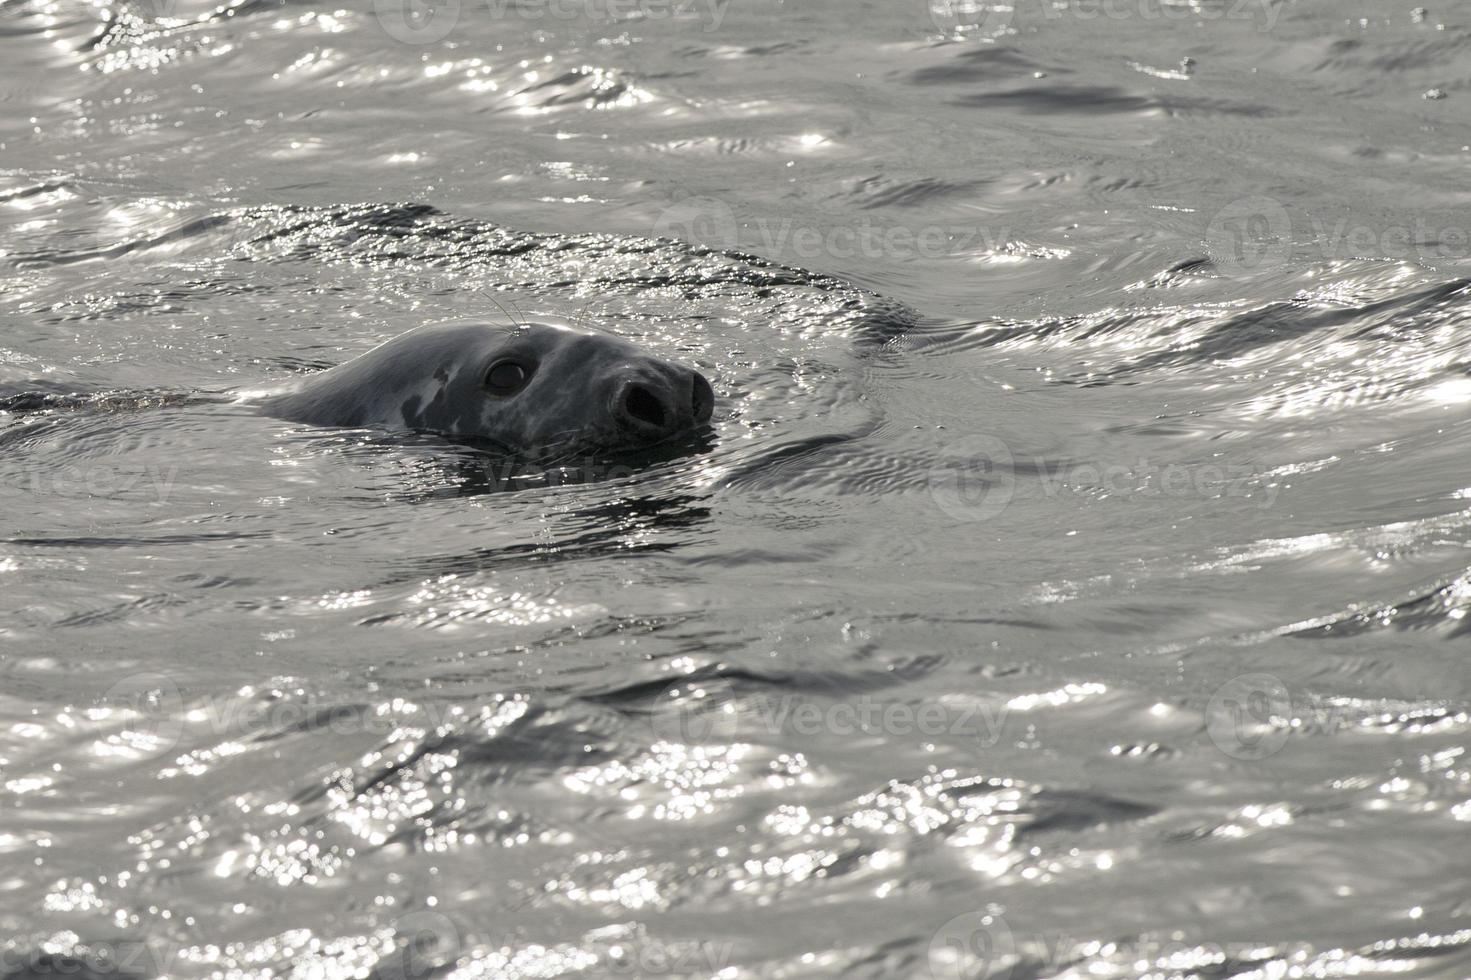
[{"x": 1452, "y": 392}]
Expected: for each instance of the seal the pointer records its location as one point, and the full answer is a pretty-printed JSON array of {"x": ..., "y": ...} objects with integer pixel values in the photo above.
[{"x": 532, "y": 388}]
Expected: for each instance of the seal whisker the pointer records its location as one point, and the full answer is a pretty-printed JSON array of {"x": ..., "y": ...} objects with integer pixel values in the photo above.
[
  {"x": 581, "y": 318},
  {"x": 518, "y": 310},
  {"x": 504, "y": 312}
]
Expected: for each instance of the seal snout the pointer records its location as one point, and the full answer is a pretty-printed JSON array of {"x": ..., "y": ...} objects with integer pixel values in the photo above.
[
  {"x": 662, "y": 405},
  {"x": 703, "y": 399}
]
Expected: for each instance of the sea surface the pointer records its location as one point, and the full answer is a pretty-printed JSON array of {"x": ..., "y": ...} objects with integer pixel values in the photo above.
[{"x": 1075, "y": 583}]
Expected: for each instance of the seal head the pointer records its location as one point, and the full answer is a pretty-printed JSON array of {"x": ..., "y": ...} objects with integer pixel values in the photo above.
[{"x": 531, "y": 388}]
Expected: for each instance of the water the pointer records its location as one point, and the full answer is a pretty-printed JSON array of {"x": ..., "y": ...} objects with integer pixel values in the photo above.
[{"x": 1075, "y": 585}]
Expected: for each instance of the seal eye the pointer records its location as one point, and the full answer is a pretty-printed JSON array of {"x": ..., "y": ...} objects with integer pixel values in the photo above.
[{"x": 506, "y": 377}]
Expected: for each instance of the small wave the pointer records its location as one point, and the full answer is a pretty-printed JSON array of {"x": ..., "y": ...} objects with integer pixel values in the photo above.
[
  {"x": 1444, "y": 609},
  {"x": 881, "y": 192}
]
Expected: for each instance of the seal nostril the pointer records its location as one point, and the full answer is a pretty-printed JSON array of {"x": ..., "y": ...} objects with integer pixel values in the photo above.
[
  {"x": 645, "y": 406},
  {"x": 702, "y": 400}
]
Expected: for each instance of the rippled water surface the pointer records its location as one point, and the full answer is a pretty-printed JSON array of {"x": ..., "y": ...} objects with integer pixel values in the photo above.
[{"x": 1075, "y": 582}]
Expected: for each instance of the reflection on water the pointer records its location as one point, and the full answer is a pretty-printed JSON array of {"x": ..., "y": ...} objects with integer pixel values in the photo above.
[{"x": 1072, "y": 582}]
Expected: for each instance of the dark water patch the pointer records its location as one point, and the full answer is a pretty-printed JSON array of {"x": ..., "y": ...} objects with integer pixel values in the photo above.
[
  {"x": 419, "y": 468},
  {"x": 1062, "y": 100},
  {"x": 1186, "y": 272},
  {"x": 35, "y": 190},
  {"x": 715, "y": 687},
  {"x": 1404, "y": 314},
  {"x": 1204, "y": 953},
  {"x": 623, "y": 526},
  {"x": 121, "y": 612},
  {"x": 1113, "y": 185},
  {"x": 649, "y": 693},
  {"x": 881, "y": 192},
  {"x": 23, "y": 398},
  {"x": 1073, "y": 811},
  {"x": 1075, "y": 328},
  {"x": 50, "y": 397},
  {"x": 1359, "y": 56},
  {"x": 178, "y": 233},
  {"x": 592, "y": 87},
  {"x": 987, "y": 670},
  {"x": 1181, "y": 337},
  {"x": 797, "y": 453},
  {"x": 144, "y": 540},
  {"x": 530, "y": 743},
  {"x": 728, "y": 146},
  {"x": 977, "y": 65},
  {"x": 843, "y": 466},
  {"x": 201, "y": 581}
]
